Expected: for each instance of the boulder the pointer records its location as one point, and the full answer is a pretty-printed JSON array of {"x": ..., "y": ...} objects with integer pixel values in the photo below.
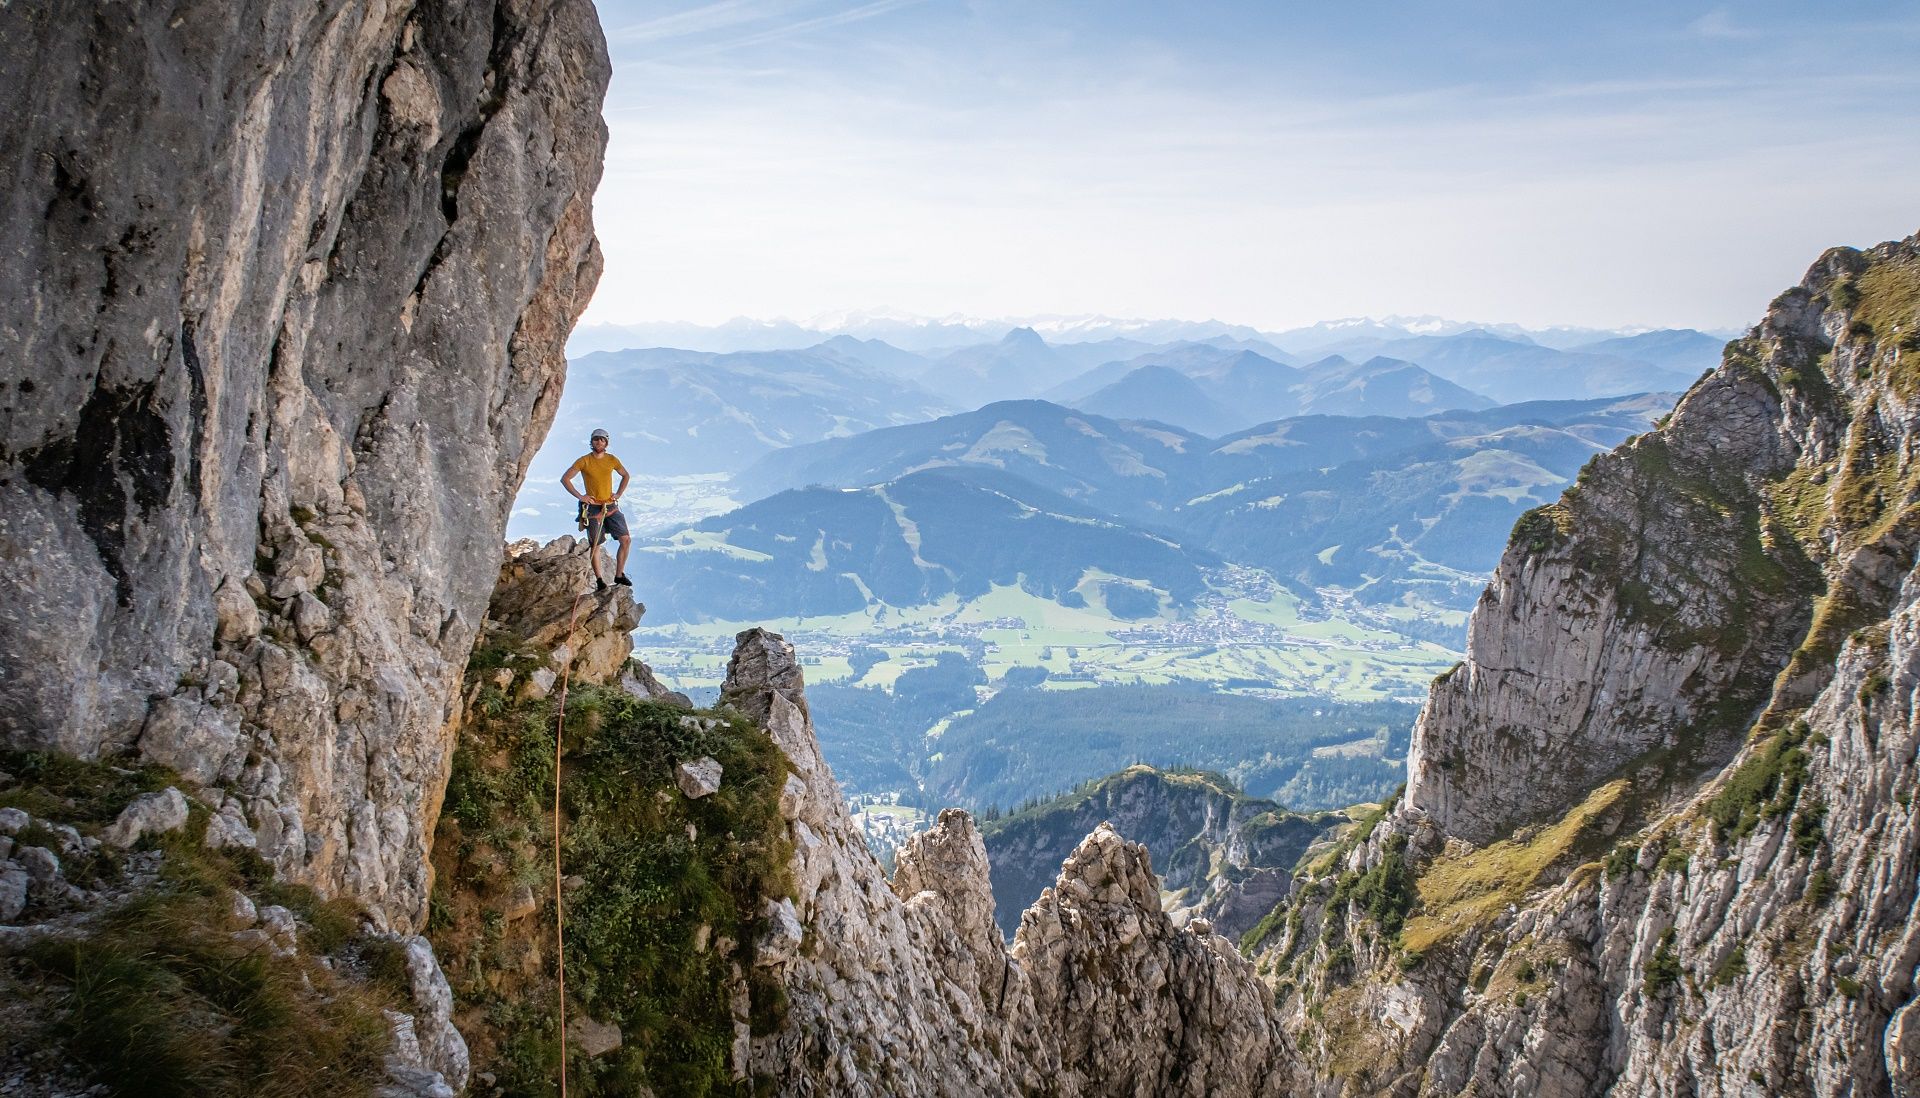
[
  {"x": 196, "y": 740},
  {"x": 596, "y": 1039},
  {"x": 698, "y": 778},
  {"x": 228, "y": 828},
  {"x": 441, "y": 1047},
  {"x": 640, "y": 681},
  {"x": 538, "y": 685},
  {"x": 149, "y": 814},
  {"x": 13, "y": 891},
  {"x": 780, "y": 942},
  {"x": 544, "y": 598},
  {"x": 42, "y": 866}
]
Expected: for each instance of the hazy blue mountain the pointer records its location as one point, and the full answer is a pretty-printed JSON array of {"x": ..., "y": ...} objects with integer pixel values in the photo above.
[
  {"x": 874, "y": 354},
  {"x": 1509, "y": 370},
  {"x": 1081, "y": 386},
  {"x": 738, "y": 334},
  {"x": 1258, "y": 388},
  {"x": 1682, "y": 350},
  {"x": 1196, "y": 359},
  {"x": 1215, "y": 390},
  {"x": 676, "y": 411},
  {"x": 1165, "y": 395},
  {"x": 1121, "y": 467},
  {"x": 1431, "y": 520},
  {"x": 1020, "y": 365},
  {"x": 1085, "y": 356},
  {"x": 1380, "y": 386},
  {"x": 1356, "y": 336},
  {"x": 1234, "y": 462},
  {"x": 1143, "y": 471},
  {"x": 1394, "y": 503},
  {"x": 916, "y": 540},
  {"x": 1327, "y": 336},
  {"x": 1565, "y": 337},
  {"x": 1259, "y": 347}
]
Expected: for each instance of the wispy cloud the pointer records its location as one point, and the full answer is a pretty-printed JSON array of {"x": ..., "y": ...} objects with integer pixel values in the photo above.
[
  {"x": 1718, "y": 23},
  {"x": 763, "y": 21},
  {"x": 701, "y": 20}
]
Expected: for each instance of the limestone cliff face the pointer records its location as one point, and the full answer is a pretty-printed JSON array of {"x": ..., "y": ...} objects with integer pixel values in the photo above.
[
  {"x": 284, "y": 306},
  {"x": 1658, "y": 837},
  {"x": 908, "y": 989},
  {"x": 1648, "y": 611}
]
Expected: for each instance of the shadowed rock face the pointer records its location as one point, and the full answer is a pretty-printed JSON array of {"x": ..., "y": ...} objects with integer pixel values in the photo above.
[{"x": 285, "y": 297}]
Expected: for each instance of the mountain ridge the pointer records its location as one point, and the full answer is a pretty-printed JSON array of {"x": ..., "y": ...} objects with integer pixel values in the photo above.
[{"x": 1696, "y": 896}]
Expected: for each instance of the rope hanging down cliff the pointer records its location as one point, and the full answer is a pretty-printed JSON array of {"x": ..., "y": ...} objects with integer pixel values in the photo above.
[{"x": 559, "y": 912}]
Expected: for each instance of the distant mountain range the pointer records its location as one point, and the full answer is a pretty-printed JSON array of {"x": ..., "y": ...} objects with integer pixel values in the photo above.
[
  {"x": 1020, "y": 364},
  {"x": 1217, "y": 391},
  {"x": 917, "y": 334},
  {"x": 1395, "y": 466},
  {"x": 1056, "y": 500},
  {"x": 1145, "y": 471},
  {"x": 675, "y": 411},
  {"x": 1510, "y": 370},
  {"x": 1131, "y": 469},
  {"x": 934, "y": 335},
  {"x": 913, "y": 541},
  {"x": 695, "y": 411}
]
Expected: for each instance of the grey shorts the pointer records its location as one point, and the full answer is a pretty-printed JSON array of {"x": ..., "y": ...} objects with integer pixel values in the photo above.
[{"x": 604, "y": 521}]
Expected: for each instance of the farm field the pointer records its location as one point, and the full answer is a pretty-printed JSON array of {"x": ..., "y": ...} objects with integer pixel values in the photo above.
[{"x": 1248, "y": 636}]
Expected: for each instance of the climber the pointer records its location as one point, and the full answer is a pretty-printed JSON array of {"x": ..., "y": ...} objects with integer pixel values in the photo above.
[{"x": 600, "y": 505}]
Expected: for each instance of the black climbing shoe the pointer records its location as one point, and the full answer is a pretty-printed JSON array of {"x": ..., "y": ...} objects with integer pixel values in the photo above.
[
  {"x": 622, "y": 580},
  {"x": 599, "y": 585}
]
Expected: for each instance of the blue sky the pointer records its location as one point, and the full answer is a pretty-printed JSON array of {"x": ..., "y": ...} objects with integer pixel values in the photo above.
[{"x": 1267, "y": 164}]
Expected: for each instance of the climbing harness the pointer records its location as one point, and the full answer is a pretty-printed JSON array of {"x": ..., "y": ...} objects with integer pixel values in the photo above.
[{"x": 559, "y": 912}]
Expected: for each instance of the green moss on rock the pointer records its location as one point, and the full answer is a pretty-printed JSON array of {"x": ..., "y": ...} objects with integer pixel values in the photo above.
[{"x": 665, "y": 894}]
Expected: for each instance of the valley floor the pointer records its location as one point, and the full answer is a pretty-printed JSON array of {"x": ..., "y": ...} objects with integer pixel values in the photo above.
[{"x": 1248, "y": 636}]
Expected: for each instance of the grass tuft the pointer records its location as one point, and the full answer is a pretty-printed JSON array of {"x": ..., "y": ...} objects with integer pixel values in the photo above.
[
  {"x": 1764, "y": 787},
  {"x": 159, "y": 998},
  {"x": 1457, "y": 893}
]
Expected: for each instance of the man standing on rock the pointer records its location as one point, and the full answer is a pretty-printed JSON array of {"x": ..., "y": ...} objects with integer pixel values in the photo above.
[{"x": 602, "y": 502}]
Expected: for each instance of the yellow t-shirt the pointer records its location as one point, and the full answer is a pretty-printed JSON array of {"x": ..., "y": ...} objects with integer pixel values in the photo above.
[{"x": 597, "y": 470}]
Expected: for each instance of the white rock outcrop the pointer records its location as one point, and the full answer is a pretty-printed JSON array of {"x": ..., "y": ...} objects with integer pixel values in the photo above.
[
  {"x": 906, "y": 988},
  {"x": 149, "y": 814},
  {"x": 699, "y": 777}
]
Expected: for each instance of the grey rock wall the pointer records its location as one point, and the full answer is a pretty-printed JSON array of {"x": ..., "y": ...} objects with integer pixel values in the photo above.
[
  {"x": 1737, "y": 917},
  {"x": 283, "y": 306},
  {"x": 1647, "y": 612},
  {"x": 906, "y": 987}
]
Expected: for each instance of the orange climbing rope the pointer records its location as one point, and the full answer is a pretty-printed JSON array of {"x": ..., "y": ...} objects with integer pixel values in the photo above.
[{"x": 559, "y": 912}]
